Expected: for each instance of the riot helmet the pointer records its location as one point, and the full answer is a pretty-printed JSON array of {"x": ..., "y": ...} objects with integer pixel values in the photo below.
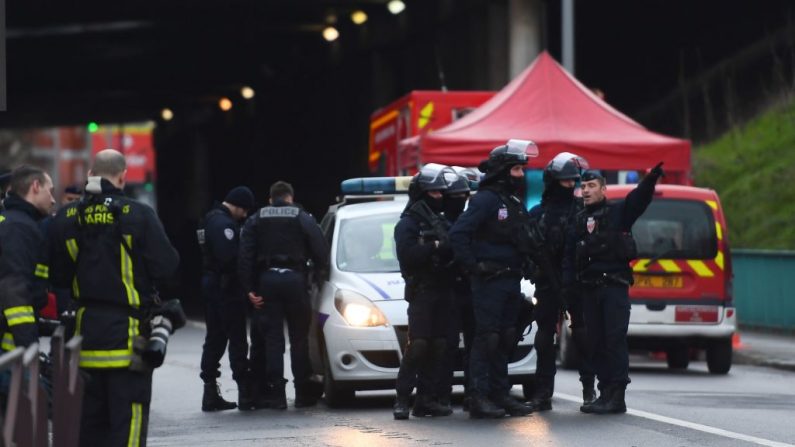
[
  {"x": 503, "y": 158},
  {"x": 456, "y": 196},
  {"x": 565, "y": 166}
]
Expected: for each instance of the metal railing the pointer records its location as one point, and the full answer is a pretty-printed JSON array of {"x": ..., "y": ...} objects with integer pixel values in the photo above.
[{"x": 25, "y": 419}]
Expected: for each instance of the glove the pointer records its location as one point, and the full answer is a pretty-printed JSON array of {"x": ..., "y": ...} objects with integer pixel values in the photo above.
[{"x": 658, "y": 170}]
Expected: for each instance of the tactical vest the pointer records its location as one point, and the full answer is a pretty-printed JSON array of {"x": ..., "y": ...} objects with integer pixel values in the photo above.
[
  {"x": 554, "y": 222},
  {"x": 281, "y": 242},
  {"x": 209, "y": 263},
  {"x": 598, "y": 241},
  {"x": 502, "y": 228}
]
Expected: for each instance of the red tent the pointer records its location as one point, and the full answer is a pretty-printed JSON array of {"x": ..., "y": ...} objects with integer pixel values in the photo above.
[{"x": 549, "y": 106}]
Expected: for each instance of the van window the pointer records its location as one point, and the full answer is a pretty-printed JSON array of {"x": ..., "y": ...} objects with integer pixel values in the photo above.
[{"x": 676, "y": 229}]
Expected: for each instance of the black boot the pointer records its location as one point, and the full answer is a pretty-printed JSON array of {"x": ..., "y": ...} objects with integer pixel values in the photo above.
[
  {"x": 482, "y": 408},
  {"x": 307, "y": 394},
  {"x": 603, "y": 391},
  {"x": 274, "y": 396},
  {"x": 245, "y": 395},
  {"x": 512, "y": 406},
  {"x": 401, "y": 408},
  {"x": 212, "y": 399},
  {"x": 611, "y": 401},
  {"x": 425, "y": 405},
  {"x": 588, "y": 392},
  {"x": 542, "y": 397}
]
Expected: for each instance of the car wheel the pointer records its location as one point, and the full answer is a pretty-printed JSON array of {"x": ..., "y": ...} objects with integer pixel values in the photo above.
[
  {"x": 719, "y": 356},
  {"x": 336, "y": 394},
  {"x": 569, "y": 356},
  {"x": 678, "y": 357}
]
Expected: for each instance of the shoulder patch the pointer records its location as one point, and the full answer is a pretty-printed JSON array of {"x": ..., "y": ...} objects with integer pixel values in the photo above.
[
  {"x": 229, "y": 233},
  {"x": 279, "y": 211}
]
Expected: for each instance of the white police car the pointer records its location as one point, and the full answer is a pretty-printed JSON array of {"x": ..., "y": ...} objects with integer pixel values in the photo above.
[{"x": 361, "y": 323}]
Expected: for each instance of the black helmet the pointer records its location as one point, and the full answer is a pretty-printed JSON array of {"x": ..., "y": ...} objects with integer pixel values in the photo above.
[
  {"x": 459, "y": 185},
  {"x": 432, "y": 177},
  {"x": 565, "y": 166},
  {"x": 502, "y": 158}
]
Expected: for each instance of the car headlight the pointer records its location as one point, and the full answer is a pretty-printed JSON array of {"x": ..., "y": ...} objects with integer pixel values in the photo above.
[{"x": 357, "y": 310}]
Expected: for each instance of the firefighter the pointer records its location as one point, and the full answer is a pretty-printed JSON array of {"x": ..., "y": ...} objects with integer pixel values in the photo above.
[
  {"x": 483, "y": 239},
  {"x": 425, "y": 258},
  {"x": 276, "y": 244},
  {"x": 597, "y": 254},
  {"x": 23, "y": 265},
  {"x": 554, "y": 215},
  {"x": 225, "y": 314},
  {"x": 110, "y": 250}
]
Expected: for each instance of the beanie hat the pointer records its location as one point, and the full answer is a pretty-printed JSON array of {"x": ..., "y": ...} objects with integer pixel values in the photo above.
[{"x": 240, "y": 196}]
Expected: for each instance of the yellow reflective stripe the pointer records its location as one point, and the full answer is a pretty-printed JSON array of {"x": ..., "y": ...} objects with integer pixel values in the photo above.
[
  {"x": 426, "y": 112},
  {"x": 701, "y": 269},
  {"x": 380, "y": 121},
  {"x": 669, "y": 266},
  {"x": 640, "y": 266},
  {"x": 713, "y": 204},
  {"x": 2, "y": 218},
  {"x": 71, "y": 247},
  {"x": 7, "y": 343},
  {"x": 19, "y": 315},
  {"x": 42, "y": 271},
  {"x": 127, "y": 274},
  {"x": 79, "y": 320},
  {"x": 719, "y": 231},
  {"x": 112, "y": 358},
  {"x": 719, "y": 260},
  {"x": 135, "y": 425}
]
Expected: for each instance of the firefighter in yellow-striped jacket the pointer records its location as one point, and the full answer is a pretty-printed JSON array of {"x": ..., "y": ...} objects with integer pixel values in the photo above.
[
  {"x": 109, "y": 250},
  {"x": 23, "y": 267}
]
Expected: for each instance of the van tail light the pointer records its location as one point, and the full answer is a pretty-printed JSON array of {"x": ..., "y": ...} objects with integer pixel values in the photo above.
[{"x": 728, "y": 275}]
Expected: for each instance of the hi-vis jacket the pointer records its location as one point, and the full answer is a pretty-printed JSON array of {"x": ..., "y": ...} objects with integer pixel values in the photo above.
[
  {"x": 109, "y": 250},
  {"x": 23, "y": 272}
]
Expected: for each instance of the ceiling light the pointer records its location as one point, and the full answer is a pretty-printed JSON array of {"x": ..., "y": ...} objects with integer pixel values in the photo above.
[
  {"x": 247, "y": 92},
  {"x": 358, "y": 17},
  {"x": 396, "y": 6},
  {"x": 225, "y": 104},
  {"x": 166, "y": 114},
  {"x": 331, "y": 34}
]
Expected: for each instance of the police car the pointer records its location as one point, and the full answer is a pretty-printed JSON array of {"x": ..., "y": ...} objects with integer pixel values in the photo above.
[{"x": 361, "y": 326}]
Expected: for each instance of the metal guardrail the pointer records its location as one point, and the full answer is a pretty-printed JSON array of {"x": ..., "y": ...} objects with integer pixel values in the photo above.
[
  {"x": 24, "y": 421},
  {"x": 764, "y": 288}
]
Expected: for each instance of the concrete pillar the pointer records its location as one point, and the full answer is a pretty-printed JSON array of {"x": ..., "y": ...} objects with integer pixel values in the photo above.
[{"x": 525, "y": 34}]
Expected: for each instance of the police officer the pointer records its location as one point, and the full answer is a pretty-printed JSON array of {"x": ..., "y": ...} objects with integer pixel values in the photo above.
[
  {"x": 225, "y": 316},
  {"x": 110, "y": 250},
  {"x": 598, "y": 250},
  {"x": 425, "y": 258},
  {"x": 276, "y": 244},
  {"x": 483, "y": 239},
  {"x": 553, "y": 216},
  {"x": 23, "y": 261}
]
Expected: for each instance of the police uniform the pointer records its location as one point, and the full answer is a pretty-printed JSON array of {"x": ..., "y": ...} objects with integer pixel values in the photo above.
[
  {"x": 23, "y": 272},
  {"x": 425, "y": 265},
  {"x": 226, "y": 304},
  {"x": 275, "y": 245},
  {"x": 110, "y": 250},
  {"x": 598, "y": 250}
]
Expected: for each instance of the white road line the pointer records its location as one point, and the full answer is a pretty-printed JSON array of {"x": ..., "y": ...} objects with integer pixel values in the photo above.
[
  {"x": 197, "y": 324},
  {"x": 690, "y": 425}
]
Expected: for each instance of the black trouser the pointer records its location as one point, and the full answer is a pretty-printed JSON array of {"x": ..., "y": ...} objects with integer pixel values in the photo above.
[
  {"x": 607, "y": 320},
  {"x": 257, "y": 354},
  {"x": 285, "y": 299},
  {"x": 547, "y": 316},
  {"x": 496, "y": 303},
  {"x": 115, "y": 408},
  {"x": 225, "y": 317},
  {"x": 429, "y": 328}
]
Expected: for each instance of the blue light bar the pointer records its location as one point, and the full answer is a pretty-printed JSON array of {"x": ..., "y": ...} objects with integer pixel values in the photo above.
[{"x": 375, "y": 185}]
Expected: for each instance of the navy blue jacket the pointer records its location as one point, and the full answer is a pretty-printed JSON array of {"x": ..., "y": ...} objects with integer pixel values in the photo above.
[
  {"x": 483, "y": 233},
  {"x": 222, "y": 240}
]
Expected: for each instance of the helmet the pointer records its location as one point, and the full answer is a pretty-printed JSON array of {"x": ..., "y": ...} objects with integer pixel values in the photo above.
[
  {"x": 432, "y": 177},
  {"x": 565, "y": 166},
  {"x": 467, "y": 180},
  {"x": 459, "y": 185},
  {"x": 502, "y": 158}
]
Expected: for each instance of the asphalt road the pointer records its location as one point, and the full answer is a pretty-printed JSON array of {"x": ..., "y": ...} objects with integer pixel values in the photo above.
[{"x": 750, "y": 406}]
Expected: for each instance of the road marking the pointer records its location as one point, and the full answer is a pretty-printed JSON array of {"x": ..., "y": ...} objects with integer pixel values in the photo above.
[
  {"x": 690, "y": 425},
  {"x": 197, "y": 324}
]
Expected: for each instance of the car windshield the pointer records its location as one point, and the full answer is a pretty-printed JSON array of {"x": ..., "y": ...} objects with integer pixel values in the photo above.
[
  {"x": 676, "y": 229},
  {"x": 367, "y": 244}
]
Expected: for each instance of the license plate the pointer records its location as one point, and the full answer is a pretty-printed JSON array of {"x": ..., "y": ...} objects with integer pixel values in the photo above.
[
  {"x": 659, "y": 281},
  {"x": 696, "y": 314}
]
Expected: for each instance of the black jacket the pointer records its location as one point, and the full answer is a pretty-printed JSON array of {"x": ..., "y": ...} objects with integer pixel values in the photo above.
[
  {"x": 220, "y": 240},
  {"x": 110, "y": 250},
  {"x": 23, "y": 272},
  {"x": 279, "y": 231}
]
